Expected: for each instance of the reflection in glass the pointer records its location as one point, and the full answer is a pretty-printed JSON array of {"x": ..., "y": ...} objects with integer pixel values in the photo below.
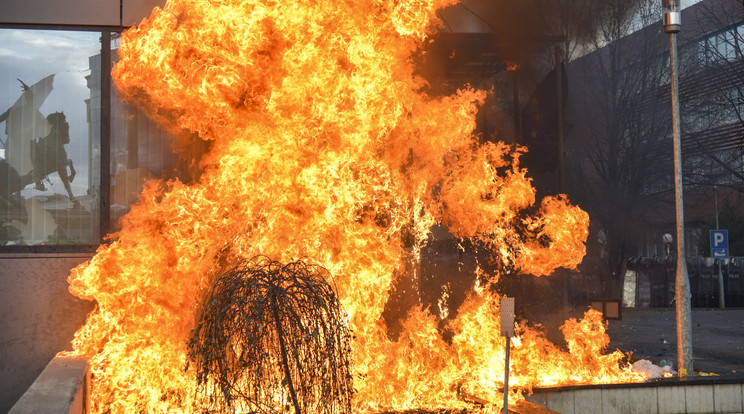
[
  {"x": 142, "y": 151},
  {"x": 49, "y": 142}
]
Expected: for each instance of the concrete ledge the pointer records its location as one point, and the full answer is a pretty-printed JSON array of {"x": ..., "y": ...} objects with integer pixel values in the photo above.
[
  {"x": 723, "y": 395},
  {"x": 526, "y": 407},
  {"x": 62, "y": 388}
]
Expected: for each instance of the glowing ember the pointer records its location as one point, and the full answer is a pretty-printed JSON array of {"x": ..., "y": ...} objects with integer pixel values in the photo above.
[{"x": 323, "y": 148}]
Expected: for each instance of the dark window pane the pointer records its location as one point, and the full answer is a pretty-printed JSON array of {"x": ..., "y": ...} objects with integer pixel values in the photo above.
[{"x": 142, "y": 151}]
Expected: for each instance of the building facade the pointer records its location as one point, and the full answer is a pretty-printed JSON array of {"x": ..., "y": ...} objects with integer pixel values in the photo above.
[
  {"x": 72, "y": 159},
  {"x": 619, "y": 140}
]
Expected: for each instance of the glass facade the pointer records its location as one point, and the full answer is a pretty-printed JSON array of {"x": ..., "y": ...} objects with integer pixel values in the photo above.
[
  {"x": 141, "y": 151},
  {"x": 50, "y": 149},
  {"x": 61, "y": 125}
]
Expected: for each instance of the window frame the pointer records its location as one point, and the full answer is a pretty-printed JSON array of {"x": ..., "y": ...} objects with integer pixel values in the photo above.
[{"x": 108, "y": 34}]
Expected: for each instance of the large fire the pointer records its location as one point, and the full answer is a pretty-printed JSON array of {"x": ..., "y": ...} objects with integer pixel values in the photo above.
[{"x": 323, "y": 147}]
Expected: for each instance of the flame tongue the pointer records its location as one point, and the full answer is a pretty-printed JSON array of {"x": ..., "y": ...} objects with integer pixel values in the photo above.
[{"x": 323, "y": 147}]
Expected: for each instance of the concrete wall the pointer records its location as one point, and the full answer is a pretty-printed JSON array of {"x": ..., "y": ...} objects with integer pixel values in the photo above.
[
  {"x": 78, "y": 12},
  {"x": 38, "y": 317},
  {"x": 62, "y": 388},
  {"x": 696, "y": 395}
]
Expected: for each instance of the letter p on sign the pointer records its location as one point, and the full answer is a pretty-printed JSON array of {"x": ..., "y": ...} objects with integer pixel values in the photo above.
[{"x": 719, "y": 246}]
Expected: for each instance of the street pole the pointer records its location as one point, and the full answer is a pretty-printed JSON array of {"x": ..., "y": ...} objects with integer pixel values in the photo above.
[
  {"x": 721, "y": 290},
  {"x": 559, "y": 114},
  {"x": 507, "y": 331},
  {"x": 672, "y": 24},
  {"x": 514, "y": 68}
]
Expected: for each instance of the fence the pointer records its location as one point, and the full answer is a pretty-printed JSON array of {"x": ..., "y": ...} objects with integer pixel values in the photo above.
[{"x": 655, "y": 280}]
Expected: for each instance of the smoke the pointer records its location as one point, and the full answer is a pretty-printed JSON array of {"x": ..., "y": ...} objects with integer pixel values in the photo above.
[{"x": 521, "y": 27}]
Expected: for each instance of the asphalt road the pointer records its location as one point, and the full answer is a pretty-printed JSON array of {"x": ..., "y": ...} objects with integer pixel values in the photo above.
[{"x": 717, "y": 337}]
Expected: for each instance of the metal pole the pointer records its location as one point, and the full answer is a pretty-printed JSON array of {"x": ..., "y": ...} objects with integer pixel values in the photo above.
[
  {"x": 506, "y": 377},
  {"x": 715, "y": 204},
  {"x": 517, "y": 107},
  {"x": 105, "y": 138},
  {"x": 721, "y": 296},
  {"x": 559, "y": 118},
  {"x": 682, "y": 284},
  {"x": 507, "y": 331}
]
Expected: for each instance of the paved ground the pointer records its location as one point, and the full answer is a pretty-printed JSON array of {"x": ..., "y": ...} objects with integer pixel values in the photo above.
[{"x": 717, "y": 337}]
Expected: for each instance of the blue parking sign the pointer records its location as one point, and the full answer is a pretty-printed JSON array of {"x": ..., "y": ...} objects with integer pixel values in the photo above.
[{"x": 719, "y": 247}]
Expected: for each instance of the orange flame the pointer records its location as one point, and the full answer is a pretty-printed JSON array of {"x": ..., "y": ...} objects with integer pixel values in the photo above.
[{"x": 323, "y": 147}]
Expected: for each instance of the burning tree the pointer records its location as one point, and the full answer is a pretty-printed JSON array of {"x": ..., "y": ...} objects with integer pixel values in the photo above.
[{"x": 273, "y": 335}]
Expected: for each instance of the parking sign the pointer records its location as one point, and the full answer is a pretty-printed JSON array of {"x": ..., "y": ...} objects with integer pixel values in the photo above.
[{"x": 719, "y": 246}]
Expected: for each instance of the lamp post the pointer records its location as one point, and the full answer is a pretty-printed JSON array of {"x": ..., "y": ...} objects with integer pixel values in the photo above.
[
  {"x": 672, "y": 25},
  {"x": 667, "y": 238},
  {"x": 721, "y": 291}
]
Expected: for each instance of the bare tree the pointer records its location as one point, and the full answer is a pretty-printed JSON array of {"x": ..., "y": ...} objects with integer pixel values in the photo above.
[
  {"x": 273, "y": 337},
  {"x": 713, "y": 93},
  {"x": 620, "y": 113}
]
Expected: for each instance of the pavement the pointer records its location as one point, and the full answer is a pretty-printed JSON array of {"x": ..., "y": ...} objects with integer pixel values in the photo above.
[{"x": 651, "y": 333}]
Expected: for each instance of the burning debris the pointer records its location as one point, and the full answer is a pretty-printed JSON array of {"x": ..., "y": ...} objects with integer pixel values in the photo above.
[
  {"x": 323, "y": 145},
  {"x": 273, "y": 336}
]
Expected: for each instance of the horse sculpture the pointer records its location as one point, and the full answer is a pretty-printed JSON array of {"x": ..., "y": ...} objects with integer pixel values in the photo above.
[
  {"x": 33, "y": 150},
  {"x": 48, "y": 155}
]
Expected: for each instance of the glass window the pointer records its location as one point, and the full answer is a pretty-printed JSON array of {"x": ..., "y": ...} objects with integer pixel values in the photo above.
[
  {"x": 730, "y": 106},
  {"x": 142, "y": 151},
  {"x": 664, "y": 71},
  {"x": 726, "y": 43},
  {"x": 703, "y": 52},
  {"x": 688, "y": 59},
  {"x": 49, "y": 137}
]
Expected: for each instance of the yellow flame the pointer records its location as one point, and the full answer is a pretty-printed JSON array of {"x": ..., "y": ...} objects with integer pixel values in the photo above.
[{"x": 323, "y": 146}]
